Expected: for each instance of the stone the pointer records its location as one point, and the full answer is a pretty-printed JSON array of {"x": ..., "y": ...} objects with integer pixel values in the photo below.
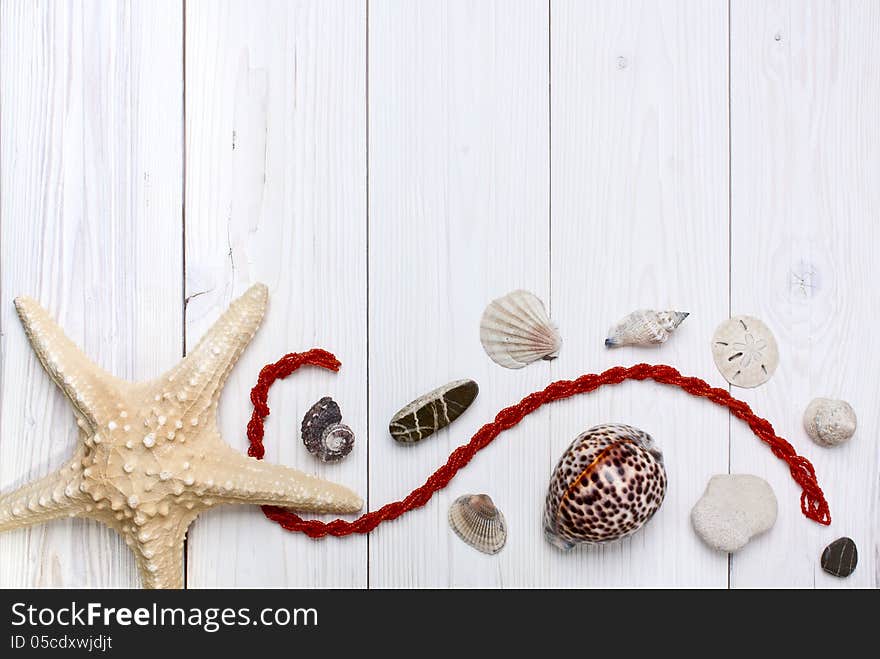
[
  {"x": 830, "y": 422},
  {"x": 435, "y": 410},
  {"x": 734, "y": 509},
  {"x": 840, "y": 557}
]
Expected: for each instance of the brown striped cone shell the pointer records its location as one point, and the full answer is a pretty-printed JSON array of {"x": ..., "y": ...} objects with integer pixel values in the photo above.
[
  {"x": 515, "y": 331},
  {"x": 435, "y": 410},
  {"x": 606, "y": 486},
  {"x": 323, "y": 434},
  {"x": 476, "y": 520}
]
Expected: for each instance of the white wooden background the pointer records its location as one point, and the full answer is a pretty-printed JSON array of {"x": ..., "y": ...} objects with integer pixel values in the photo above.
[{"x": 387, "y": 168}]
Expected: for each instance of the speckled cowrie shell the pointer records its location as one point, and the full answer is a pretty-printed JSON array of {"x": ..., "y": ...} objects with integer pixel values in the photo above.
[{"x": 606, "y": 486}]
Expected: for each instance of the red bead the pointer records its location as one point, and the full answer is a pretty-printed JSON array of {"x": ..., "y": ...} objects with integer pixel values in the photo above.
[{"x": 813, "y": 503}]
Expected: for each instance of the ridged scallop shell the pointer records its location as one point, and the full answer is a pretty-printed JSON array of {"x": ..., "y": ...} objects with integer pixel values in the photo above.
[
  {"x": 515, "y": 330},
  {"x": 606, "y": 486},
  {"x": 477, "y": 521},
  {"x": 644, "y": 327},
  {"x": 323, "y": 434}
]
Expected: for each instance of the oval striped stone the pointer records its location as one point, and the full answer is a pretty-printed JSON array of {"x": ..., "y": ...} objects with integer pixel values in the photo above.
[{"x": 435, "y": 410}]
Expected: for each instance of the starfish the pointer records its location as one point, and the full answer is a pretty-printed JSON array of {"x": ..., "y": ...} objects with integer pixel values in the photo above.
[{"x": 150, "y": 456}]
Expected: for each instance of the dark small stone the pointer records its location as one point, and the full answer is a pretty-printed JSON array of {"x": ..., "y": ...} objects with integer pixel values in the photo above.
[
  {"x": 433, "y": 411},
  {"x": 840, "y": 557}
]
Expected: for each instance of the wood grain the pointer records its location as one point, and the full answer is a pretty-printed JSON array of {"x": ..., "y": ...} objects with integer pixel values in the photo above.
[
  {"x": 640, "y": 221},
  {"x": 276, "y": 192},
  {"x": 90, "y": 225},
  {"x": 390, "y": 167},
  {"x": 806, "y": 161},
  {"x": 459, "y": 200}
]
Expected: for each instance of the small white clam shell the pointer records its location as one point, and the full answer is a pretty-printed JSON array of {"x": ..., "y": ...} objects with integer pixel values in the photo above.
[
  {"x": 515, "y": 330},
  {"x": 745, "y": 351},
  {"x": 830, "y": 422},
  {"x": 644, "y": 327},
  {"x": 476, "y": 520}
]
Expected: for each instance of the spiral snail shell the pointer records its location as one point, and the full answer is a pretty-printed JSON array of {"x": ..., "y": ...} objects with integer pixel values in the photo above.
[
  {"x": 606, "y": 486},
  {"x": 324, "y": 434},
  {"x": 644, "y": 327}
]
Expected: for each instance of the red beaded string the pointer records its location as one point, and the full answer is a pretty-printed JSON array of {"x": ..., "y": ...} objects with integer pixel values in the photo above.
[{"x": 813, "y": 502}]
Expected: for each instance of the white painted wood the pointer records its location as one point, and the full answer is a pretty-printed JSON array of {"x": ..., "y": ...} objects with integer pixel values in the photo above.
[
  {"x": 806, "y": 162},
  {"x": 639, "y": 121},
  {"x": 90, "y": 225},
  {"x": 458, "y": 216},
  {"x": 578, "y": 149},
  {"x": 276, "y": 192}
]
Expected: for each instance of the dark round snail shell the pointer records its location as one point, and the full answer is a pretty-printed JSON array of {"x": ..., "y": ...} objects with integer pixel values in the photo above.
[
  {"x": 323, "y": 434},
  {"x": 606, "y": 486}
]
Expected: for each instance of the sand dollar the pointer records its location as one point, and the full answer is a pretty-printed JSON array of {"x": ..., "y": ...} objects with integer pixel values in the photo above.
[{"x": 745, "y": 351}]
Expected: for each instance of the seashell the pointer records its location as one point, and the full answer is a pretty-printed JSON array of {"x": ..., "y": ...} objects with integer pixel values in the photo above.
[
  {"x": 745, "y": 351},
  {"x": 477, "y": 521},
  {"x": 644, "y": 327},
  {"x": 830, "y": 422},
  {"x": 515, "y": 331},
  {"x": 323, "y": 434},
  {"x": 435, "y": 410},
  {"x": 606, "y": 486}
]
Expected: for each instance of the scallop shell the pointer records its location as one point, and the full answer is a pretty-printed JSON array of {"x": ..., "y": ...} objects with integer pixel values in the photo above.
[
  {"x": 435, "y": 410},
  {"x": 606, "y": 486},
  {"x": 830, "y": 422},
  {"x": 745, "y": 351},
  {"x": 323, "y": 434},
  {"x": 515, "y": 331},
  {"x": 644, "y": 327},
  {"x": 477, "y": 521}
]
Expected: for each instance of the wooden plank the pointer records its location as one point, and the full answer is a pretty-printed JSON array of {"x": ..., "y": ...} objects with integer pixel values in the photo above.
[
  {"x": 90, "y": 225},
  {"x": 639, "y": 217},
  {"x": 805, "y": 166},
  {"x": 276, "y": 192},
  {"x": 458, "y": 216},
  {"x": 460, "y": 114}
]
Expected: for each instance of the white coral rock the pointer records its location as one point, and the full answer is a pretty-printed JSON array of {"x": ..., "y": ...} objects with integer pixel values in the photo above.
[{"x": 734, "y": 509}]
